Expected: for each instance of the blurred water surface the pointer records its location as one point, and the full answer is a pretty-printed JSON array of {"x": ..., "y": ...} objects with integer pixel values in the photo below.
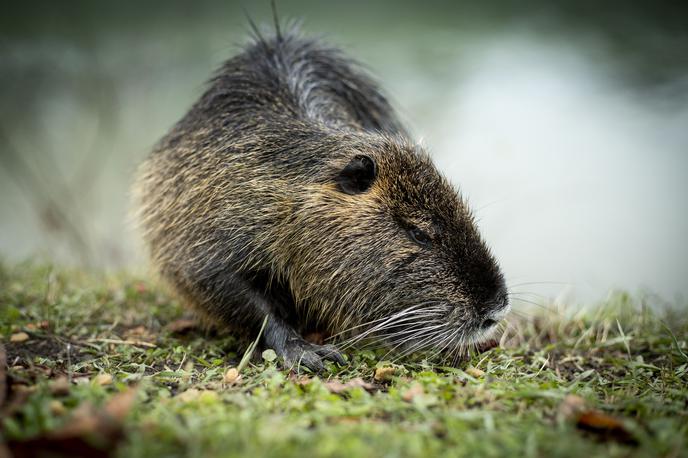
[{"x": 564, "y": 123}]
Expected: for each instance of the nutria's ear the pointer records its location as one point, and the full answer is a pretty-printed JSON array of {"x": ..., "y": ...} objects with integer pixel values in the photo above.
[{"x": 357, "y": 176}]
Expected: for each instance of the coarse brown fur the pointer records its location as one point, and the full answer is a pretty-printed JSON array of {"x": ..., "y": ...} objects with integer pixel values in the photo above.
[{"x": 291, "y": 190}]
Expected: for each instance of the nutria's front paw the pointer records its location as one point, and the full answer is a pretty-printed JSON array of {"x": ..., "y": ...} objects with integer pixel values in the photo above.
[{"x": 298, "y": 352}]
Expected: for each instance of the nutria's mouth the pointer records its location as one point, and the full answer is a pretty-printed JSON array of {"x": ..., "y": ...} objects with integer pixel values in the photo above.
[
  {"x": 487, "y": 345},
  {"x": 447, "y": 344}
]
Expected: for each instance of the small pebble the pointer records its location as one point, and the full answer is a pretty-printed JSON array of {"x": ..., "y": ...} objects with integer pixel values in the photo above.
[
  {"x": 231, "y": 376},
  {"x": 475, "y": 372},
  {"x": 19, "y": 337}
]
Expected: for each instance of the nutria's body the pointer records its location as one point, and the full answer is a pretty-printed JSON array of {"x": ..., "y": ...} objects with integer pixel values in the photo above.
[{"x": 290, "y": 190}]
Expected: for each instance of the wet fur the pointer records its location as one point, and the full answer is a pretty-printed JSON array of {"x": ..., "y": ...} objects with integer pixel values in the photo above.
[{"x": 244, "y": 212}]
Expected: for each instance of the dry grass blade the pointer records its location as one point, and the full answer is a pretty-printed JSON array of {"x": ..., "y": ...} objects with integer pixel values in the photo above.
[
  {"x": 3, "y": 375},
  {"x": 251, "y": 348}
]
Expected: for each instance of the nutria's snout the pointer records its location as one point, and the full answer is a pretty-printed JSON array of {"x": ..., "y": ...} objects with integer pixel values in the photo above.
[
  {"x": 498, "y": 307},
  {"x": 479, "y": 316}
]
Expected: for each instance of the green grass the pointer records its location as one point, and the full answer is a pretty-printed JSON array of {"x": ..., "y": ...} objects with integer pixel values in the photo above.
[{"x": 622, "y": 358}]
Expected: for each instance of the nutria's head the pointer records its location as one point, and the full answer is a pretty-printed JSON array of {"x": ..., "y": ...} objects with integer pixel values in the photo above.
[{"x": 383, "y": 245}]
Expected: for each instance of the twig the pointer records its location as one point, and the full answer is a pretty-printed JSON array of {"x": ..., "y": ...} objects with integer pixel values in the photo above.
[{"x": 124, "y": 342}]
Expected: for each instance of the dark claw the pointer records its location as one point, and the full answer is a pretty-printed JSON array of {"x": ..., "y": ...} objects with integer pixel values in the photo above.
[
  {"x": 295, "y": 351},
  {"x": 312, "y": 356},
  {"x": 312, "y": 361},
  {"x": 331, "y": 353}
]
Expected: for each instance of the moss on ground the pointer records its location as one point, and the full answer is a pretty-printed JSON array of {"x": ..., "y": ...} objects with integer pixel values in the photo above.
[{"x": 609, "y": 381}]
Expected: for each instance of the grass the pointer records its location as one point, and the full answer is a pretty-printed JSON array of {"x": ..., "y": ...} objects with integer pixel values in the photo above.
[{"x": 609, "y": 381}]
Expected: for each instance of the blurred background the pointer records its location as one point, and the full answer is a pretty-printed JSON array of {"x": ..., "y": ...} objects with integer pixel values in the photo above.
[{"x": 565, "y": 123}]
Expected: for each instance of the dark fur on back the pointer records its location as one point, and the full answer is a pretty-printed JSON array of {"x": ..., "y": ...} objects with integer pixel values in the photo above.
[{"x": 291, "y": 190}]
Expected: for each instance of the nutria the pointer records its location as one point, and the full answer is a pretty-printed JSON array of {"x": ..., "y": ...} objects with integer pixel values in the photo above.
[{"x": 291, "y": 191}]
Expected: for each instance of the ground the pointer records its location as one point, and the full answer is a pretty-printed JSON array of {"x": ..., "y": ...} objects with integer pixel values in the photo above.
[{"x": 109, "y": 365}]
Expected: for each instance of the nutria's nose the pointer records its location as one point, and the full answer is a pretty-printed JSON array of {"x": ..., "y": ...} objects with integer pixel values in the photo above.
[
  {"x": 497, "y": 310},
  {"x": 487, "y": 323}
]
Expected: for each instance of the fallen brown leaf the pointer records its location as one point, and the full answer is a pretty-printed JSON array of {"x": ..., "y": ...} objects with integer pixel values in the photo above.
[
  {"x": 605, "y": 426},
  {"x": 182, "y": 326},
  {"x": 90, "y": 432}
]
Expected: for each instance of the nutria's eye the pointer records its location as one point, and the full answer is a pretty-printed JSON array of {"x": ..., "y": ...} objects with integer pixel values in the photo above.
[
  {"x": 357, "y": 176},
  {"x": 418, "y": 236}
]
